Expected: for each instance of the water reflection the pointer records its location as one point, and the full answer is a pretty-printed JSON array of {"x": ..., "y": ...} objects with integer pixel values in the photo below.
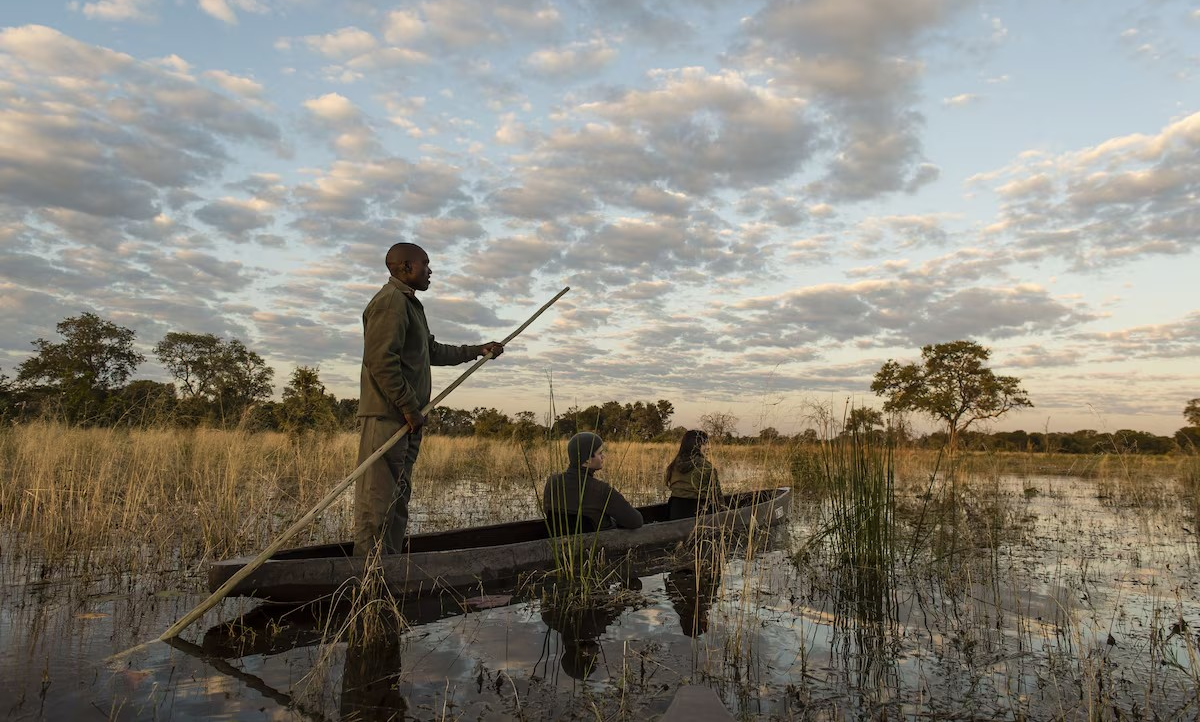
[
  {"x": 1012, "y": 620},
  {"x": 581, "y": 623},
  {"x": 371, "y": 676},
  {"x": 866, "y": 627},
  {"x": 692, "y": 591},
  {"x": 252, "y": 681}
]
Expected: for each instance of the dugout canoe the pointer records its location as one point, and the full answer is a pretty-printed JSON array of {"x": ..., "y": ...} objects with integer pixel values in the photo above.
[{"x": 478, "y": 556}]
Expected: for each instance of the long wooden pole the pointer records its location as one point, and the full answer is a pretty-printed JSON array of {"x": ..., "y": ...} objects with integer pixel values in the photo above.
[{"x": 328, "y": 499}]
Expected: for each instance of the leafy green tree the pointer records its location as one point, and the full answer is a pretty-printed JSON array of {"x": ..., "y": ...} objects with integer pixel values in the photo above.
[
  {"x": 447, "y": 421},
  {"x": 566, "y": 424},
  {"x": 306, "y": 405},
  {"x": 491, "y": 423},
  {"x": 952, "y": 385},
  {"x": 1191, "y": 412},
  {"x": 219, "y": 379},
  {"x": 525, "y": 427},
  {"x": 808, "y": 436},
  {"x": 95, "y": 358},
  {"x": 346, "y": 411},
  {"x": 142, "y": 403},
  {"x": 193, "y": 359},
  {"x": 864, "y": 419},
  {"x": 244, "y": 380},
  {"x": 8, "y": 397},
  {"x": 1188, "y": 439},
  {"x": 605, "y": 419},
  {"x": 639, "y": 420},
  {"x": 1141, "y": 442},
  {"x": 649, "y": 420},
  {"x": 768, "y": 434}
]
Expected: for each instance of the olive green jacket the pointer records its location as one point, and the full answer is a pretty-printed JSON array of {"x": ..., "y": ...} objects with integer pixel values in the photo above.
[
  {"x": 699, "y": 483},
  {"x": 397, "y": 353}
]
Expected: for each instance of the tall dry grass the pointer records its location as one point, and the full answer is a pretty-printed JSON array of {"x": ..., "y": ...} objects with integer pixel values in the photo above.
[
  {"x": 82, "y": 498},
  {"x": 155, "y": 499},
  {"x": 133, "y": 500}
]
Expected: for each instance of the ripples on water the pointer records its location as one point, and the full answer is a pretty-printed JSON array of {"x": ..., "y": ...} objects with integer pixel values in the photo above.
[{"x": 1039, "y": 599}]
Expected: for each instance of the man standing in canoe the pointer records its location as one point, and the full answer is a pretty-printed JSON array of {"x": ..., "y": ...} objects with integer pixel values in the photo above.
[{"x": 398, "y": 350}]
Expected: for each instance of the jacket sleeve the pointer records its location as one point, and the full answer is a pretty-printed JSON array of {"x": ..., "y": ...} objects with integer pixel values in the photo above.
[
  {"x": 441, "y": 354},
  {"x": 615, "y": 505},
  {"x": 384, "y": 330},
  {"x": 710, "y": 484}
]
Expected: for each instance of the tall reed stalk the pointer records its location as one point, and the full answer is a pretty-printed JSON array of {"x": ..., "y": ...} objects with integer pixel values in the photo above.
[{"x": 859, "y": 472}]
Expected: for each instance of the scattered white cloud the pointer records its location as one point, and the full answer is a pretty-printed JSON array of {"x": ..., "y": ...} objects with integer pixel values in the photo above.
[
  {"x": 342, "y": 44},
  {"x": 236, "y": 217},
  {"x": 572, "y": 61},
  {"x": 1127, "y": 197},
  {"x": 245, "y": 87},
  {"x": 118, "y": 10},
  {"x": 353, "y": 136},
  {"x": 961, "y": 100},
  {"x": 726, "y": 210},
  {"x": 220, "y": 10},
  {"x": 1172, "y": 339},
  {"x": 856, "y": 58},
  {"x": 100, "y": 132},
  {"x": 403, "y": 26}
]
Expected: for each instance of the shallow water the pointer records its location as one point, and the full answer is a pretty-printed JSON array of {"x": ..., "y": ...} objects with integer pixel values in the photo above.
[{"x": 1044, "y": 599}]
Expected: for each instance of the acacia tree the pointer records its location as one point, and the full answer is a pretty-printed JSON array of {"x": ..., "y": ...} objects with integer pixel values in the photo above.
[
  {"x": 1191, "y": 412},
  {"x": 95, "y": 358},
  {"x": 952, "y": 385}
]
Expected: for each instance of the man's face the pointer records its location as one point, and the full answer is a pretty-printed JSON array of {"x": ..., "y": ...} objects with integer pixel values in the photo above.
[
  {"x": 415, "y": 272},
  {"x": 596, "y": 463}
]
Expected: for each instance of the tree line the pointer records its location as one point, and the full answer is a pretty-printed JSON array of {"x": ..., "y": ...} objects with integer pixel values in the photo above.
[{"x": 84, "y": 379}]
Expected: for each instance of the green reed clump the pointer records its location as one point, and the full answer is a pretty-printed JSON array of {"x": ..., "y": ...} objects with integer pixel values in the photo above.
[
  {"x": 806, "y": 464},
  {"x": 859, "y": 471}
]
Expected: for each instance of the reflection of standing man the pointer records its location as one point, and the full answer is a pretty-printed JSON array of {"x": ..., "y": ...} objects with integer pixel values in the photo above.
[
  {"x": 396, "y": 384},
  {"x": 371, "y": 676}
]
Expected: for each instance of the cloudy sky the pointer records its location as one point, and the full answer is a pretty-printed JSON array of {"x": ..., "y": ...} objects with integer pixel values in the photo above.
[{"x": 755, "y": 204}]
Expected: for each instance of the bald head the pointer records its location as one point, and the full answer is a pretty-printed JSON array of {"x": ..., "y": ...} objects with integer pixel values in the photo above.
[
  {"x": 398, "y": 254},
  {"x": 409, "y": 263}
]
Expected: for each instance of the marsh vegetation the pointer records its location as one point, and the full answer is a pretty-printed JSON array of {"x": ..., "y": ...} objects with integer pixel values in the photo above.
[{"x": 906, "y": 584}]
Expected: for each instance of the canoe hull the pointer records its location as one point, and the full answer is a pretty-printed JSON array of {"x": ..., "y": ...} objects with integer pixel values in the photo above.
[{"x": 472, "y": 558}]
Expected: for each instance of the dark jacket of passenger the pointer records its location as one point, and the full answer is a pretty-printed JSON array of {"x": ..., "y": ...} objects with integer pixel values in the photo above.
[{"x": 578, "y": 493}]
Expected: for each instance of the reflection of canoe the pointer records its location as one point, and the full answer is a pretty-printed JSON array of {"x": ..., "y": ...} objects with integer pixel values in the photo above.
[
  {"x": 693, "y": 703},
  {"x": 274, "y": 628},
  {"x": 470, "y": 557}
]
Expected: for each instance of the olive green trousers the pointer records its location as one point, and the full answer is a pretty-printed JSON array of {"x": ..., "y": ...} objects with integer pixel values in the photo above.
[{"x": 382, "y": 493}]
